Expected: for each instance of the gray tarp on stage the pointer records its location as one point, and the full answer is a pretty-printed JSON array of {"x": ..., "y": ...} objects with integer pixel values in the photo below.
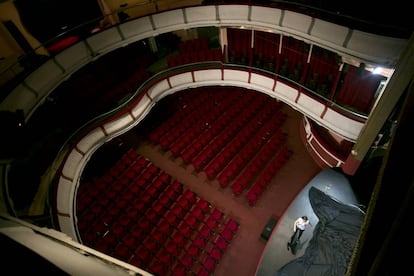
[{"x": 333, "y": 241}]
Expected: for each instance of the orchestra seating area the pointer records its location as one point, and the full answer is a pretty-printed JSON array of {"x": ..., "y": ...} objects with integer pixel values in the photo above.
[
  {"x": 230, "y": 134},
  {"x": 137, "y": 212},
  {"x": 232, "y": 139},
  {"x": 140, "y": 214},
  {"x": 105, "y": 83}
]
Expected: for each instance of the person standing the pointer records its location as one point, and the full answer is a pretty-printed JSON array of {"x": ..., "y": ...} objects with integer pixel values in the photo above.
[{"x": 298, "y": 227}]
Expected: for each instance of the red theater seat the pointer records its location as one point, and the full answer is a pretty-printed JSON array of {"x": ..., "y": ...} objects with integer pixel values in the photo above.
[{"x": 209, "y": 263}]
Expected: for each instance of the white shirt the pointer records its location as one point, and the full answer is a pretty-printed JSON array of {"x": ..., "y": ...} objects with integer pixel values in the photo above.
[{"x": 301, "y": 224}]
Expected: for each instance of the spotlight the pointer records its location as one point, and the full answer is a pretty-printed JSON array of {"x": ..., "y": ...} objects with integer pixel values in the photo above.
[{"x": 377, "y": 70}]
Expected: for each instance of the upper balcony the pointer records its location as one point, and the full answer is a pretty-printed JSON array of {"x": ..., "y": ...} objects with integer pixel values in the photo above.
[{"x": 71, "y": 51}]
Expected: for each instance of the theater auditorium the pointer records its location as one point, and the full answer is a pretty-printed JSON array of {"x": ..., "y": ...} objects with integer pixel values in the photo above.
[{"x": 186, "y": 137}]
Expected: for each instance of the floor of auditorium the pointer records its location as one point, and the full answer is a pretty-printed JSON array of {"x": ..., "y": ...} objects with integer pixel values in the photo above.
[{"x": 243, "y": 255}]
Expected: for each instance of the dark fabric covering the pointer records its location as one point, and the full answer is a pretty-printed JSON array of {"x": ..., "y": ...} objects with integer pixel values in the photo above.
[{"x": 333, "y": 240}]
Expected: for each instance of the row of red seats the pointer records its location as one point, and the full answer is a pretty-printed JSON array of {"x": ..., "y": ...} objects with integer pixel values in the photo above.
[
  {"x": 202, "y": 255},
  {"x": 201, "y": 120},
  {"x": 184, "y": 104},
  {"x": 221, "y": 127},
  {"x": 214, "y": 123},
  {"x": 114, "y": 179},
  {"x": 255, "y": 192},
  {"x": 136, "y": 219},
  {"x": 123, "y": 237},
  {"x": 192, "y": 224},
  {"x": 249, "y": 155},
  {"x": 225, "y": 136},
  {"x": 188, "y": 228},
  {"x": 175, "y": 134},
  {"x": 243, "y": 148},
  {"x": 242, "y": 126},
  {"x": 184, "y": 146},
  {"x": 189, "y": 114},
  {"x": 244, "y": 181},
  {"x": 122, "y": 205},
  {"x": 123, "y": 164},
  {"x": 217, "y": 136},
  {"x": 145, "y": 218},
  {"x": 178, "y": 117},
  {"x": 245, "y": 170}
]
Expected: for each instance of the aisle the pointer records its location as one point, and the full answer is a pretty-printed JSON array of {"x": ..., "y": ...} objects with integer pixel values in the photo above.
[{"x": 243, "y": 256}]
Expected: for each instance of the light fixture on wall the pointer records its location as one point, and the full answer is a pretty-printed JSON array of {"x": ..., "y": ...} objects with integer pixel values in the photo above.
[{"x": 377, "y": 70}]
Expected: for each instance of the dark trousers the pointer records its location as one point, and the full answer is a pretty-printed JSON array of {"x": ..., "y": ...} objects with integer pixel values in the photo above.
[{"x": 296, "y": 236}]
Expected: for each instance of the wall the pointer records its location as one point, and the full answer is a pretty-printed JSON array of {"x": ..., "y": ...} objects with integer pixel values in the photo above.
[{"x": 8, "y": 12}]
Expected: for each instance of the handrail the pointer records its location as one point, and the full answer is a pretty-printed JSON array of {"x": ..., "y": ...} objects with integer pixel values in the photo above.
[
  {"x": 83, "y": 143},
  {"x": 246, "y": 68},
  {"x": 164, "y": 74},
  {"x": 324, "y": 14},
  {"x": 56, "y": 238},
  {"x": 123, "y": 107},
  {"x": 207, "y": 65}
]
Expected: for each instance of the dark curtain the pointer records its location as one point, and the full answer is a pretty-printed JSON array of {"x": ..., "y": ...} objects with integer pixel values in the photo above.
[
  {"x": 239, "y": 41},
  {"x": 358, "y": 89},
  {"x": 333, "y": 241}
]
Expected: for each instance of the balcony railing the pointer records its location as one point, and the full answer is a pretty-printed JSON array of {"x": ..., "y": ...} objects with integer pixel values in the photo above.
[{"x": 13, "y": 69}]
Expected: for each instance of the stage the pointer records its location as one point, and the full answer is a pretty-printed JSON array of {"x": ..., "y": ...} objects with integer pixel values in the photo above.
[{"x": 329, "y": 196}]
